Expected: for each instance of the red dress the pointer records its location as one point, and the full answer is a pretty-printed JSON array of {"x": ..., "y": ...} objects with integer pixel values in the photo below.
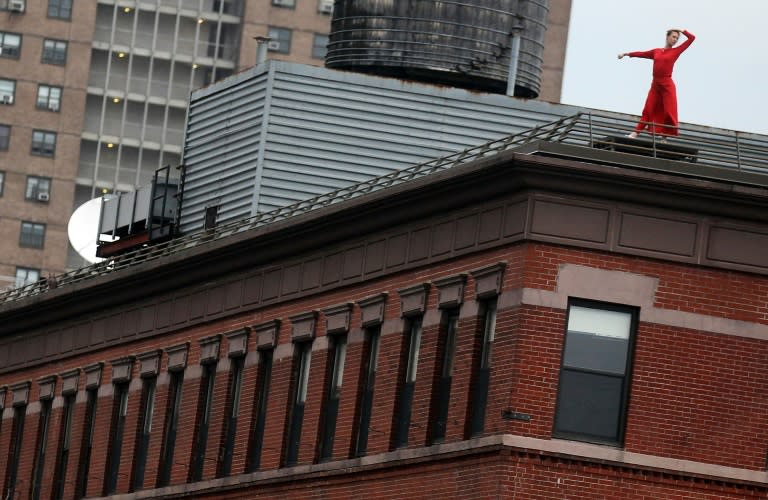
[{"x": 661, "y": 103}]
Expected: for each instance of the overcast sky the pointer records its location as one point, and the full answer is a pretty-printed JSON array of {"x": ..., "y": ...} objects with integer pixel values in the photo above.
[{"x": 722, "y": 79}]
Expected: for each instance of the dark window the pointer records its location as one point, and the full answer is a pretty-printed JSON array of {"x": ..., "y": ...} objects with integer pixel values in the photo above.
[
  {"x": 365, "y": 396},
  {"x": 481, "y": 364},
  {"x": 86, "y": 446},
  {"x": 5, "y": 141},
  {"x": 10, "y": 45},
  {"x": 338, "y": 354},
  {"x": 171, "y": 424},
  {"x": 115, "y": 443},
  {"x": 7, "y": 91},
  {"x": 319, "y": 46},
  {"x": 43, "y": 143},
  {"x": 233, "y": 409},
  {"x": 204, "y": 416},
  {"x": 441, "y": 394},
  {"x": 289, "y": 4},
  {"x": 38, "y": 188},
  {"x": 48, "y": 97},
  {"x": 260, "y": 419},
  {"x": 210, "y": 217},
  {"x": 594, "y": 377},
  {"x": 2, "y": 182},
  {"x": 54, "y": 52},
  {"x": 402, "y": 414},
  {"x": 147, "y": 409},
  {"x": 26, "y": 276},
  {"x": 42, "y": 441},
  {"x": 280, "y": 40},
  {"x": 65, "y": 440},
  {"x": 299, "y": 385},
  {"x": 32, "y": 235},
  {"x": 60, "y": 9},
  {"x": 14, "y": 453}
]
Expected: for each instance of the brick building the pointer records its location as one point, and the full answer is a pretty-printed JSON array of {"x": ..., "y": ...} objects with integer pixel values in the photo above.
[{"x": 551, "y": 321}]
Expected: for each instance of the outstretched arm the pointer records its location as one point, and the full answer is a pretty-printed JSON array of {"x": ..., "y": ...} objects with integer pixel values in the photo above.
[{"x": 648, "y": 54}]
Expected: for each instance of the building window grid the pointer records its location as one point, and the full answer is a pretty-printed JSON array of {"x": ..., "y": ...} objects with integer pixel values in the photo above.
[
  {"x": 42, "y": 441},
  {"x": 60, "y": 9},
  {"x": 7, "y": 91},
  {"x": 319, "y": 46},
  {"x": 593, "y": 388},
  {"x": 10, "y": 45},
  {"x": 65, "y": 438},
  {"x": 280, "y": 40},
  {"x": 43, "y": 143},
  {"x": 54, "y": 52},
  {"x": 38, "y": 188},
  {"x": 26, "y": 276},
  {"x": 49, "y": 97}
]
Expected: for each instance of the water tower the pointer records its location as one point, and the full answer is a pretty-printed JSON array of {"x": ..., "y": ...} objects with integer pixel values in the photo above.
[{"x": 469, "y": 43}]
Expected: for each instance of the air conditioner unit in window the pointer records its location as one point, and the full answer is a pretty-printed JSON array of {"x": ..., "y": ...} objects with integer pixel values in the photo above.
[
  {"x": 43, "y": 196},
  {"x": 6, "y": 98},
  {"x": 53, "y": 106},
  {"x": 325, "y": 6},
  {"x": 282, "y": 3},
  {"x": 16, "y": 5},
  {"x": 273, "y": 45}
]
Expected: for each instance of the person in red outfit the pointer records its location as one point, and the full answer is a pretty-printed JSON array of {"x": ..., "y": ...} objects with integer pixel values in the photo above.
[{"x": 661, "y": 104}]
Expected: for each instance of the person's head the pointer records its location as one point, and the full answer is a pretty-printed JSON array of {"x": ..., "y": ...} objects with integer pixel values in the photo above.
[{"x": 672, "y": 37}]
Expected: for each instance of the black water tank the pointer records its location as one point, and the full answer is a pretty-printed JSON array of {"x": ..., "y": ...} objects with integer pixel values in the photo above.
[{"x": 460, "y": 43}]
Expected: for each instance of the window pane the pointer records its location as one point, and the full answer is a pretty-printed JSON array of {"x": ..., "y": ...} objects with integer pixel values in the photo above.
[
  {"x": 5, "y": 136},
  {"x": 589, "y": 404},
  {"x": 597, "y": 340}
]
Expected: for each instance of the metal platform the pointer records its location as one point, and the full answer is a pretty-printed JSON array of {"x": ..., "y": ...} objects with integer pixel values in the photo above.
[{"x": 657, "y": 148}]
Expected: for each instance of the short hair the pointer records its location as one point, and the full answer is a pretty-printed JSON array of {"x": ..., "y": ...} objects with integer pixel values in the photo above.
[{"x": 669, "y": 32}]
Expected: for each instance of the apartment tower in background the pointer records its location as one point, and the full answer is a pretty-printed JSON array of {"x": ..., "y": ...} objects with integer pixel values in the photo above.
[{"x": 94, "y": 95}]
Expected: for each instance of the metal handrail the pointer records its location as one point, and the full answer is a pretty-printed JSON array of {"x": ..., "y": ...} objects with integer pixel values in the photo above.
[{"x": 717, "y": 149}]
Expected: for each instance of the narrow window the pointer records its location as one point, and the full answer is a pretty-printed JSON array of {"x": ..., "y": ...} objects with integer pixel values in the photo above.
[
  {"x": 10, "y": 45},
  {"x": 442, "y": 389},
  {"x": 54, "y": 52},
  {"x": 210, "y": 217},
  {"x": 402, "y": 415},
  {"x": 48, "y": 97},
  {"x": 32, "y": 235},
  {"x": 319, "y": 46},
  {"x": 233, "y": 403},
  {"x": 43, "y": 143},
  {"x": 42, "y": 441},
  {"x": 14, "y": 454},
  {"x": 5, "y": 141},
  {"x": 299, "y": 384},
  {"x": 7, "y": 91},
  {"x": 38, "y": 189},
  {"x": 171, "y": 423},
  {"x": 260, "y": 419},
  {"x": 365, "y": 396},
  {"x": 87, "y": 444},
  {"x": 60, "y": 9},
  {"x": 204, "y": 416},
  {"x": 337, "y": 359},
  {"x": 482, "y": 368},
  {"x": 594, "y": 376},
  {"x": 115, "y": 446},
  {"x": 65, "y": 438},
  {"x": 147, "y": 409}
]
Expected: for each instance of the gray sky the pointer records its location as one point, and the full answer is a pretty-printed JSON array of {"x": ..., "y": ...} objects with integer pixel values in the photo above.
[{"x": 722, "y": 79}]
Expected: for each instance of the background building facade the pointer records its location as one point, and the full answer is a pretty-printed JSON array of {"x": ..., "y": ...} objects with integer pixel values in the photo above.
[{"x": 98, "y": 95}]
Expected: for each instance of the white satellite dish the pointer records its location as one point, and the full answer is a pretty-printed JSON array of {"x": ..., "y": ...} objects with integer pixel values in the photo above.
[{"x": 83, "y": 228}]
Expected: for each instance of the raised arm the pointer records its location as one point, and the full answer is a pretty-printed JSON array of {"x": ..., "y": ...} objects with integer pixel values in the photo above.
[{"x": 689, "y": 38}]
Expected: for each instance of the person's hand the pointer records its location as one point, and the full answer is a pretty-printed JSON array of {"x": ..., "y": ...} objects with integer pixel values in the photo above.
[{"x": 622, "y": 55}]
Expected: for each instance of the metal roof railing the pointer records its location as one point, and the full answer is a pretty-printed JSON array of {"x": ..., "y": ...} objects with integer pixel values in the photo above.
[{"x": 727, "y": 150}]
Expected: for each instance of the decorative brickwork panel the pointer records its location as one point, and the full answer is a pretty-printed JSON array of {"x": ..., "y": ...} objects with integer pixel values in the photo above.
[
  {"x": 122, "y": 369},
  {"x": 337, "y": 318},
  {"x": 20, "y": 393},
  {"x": 237, "y": 342},
  {"x": 266, "y": 334},
  {"x": 450, "y": 290},
  {"x": 149, "y": 363},
  {"x": 303, "y": 326},
  {"x": 69, "y": 381},
  {"x": 209, "y": 349},
  {"x": 177, "y": 357},
  {"x": 46, "y": 387},
  {"x": 413, "y": 300},
  {"x": 93, "y": 375},
  {"x": 488, "y": 280},
  {"x": 372, "y": 310}
]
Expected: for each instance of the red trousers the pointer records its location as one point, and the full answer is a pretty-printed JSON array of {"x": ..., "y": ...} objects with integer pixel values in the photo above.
[{"x": 660, "y": 108}]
